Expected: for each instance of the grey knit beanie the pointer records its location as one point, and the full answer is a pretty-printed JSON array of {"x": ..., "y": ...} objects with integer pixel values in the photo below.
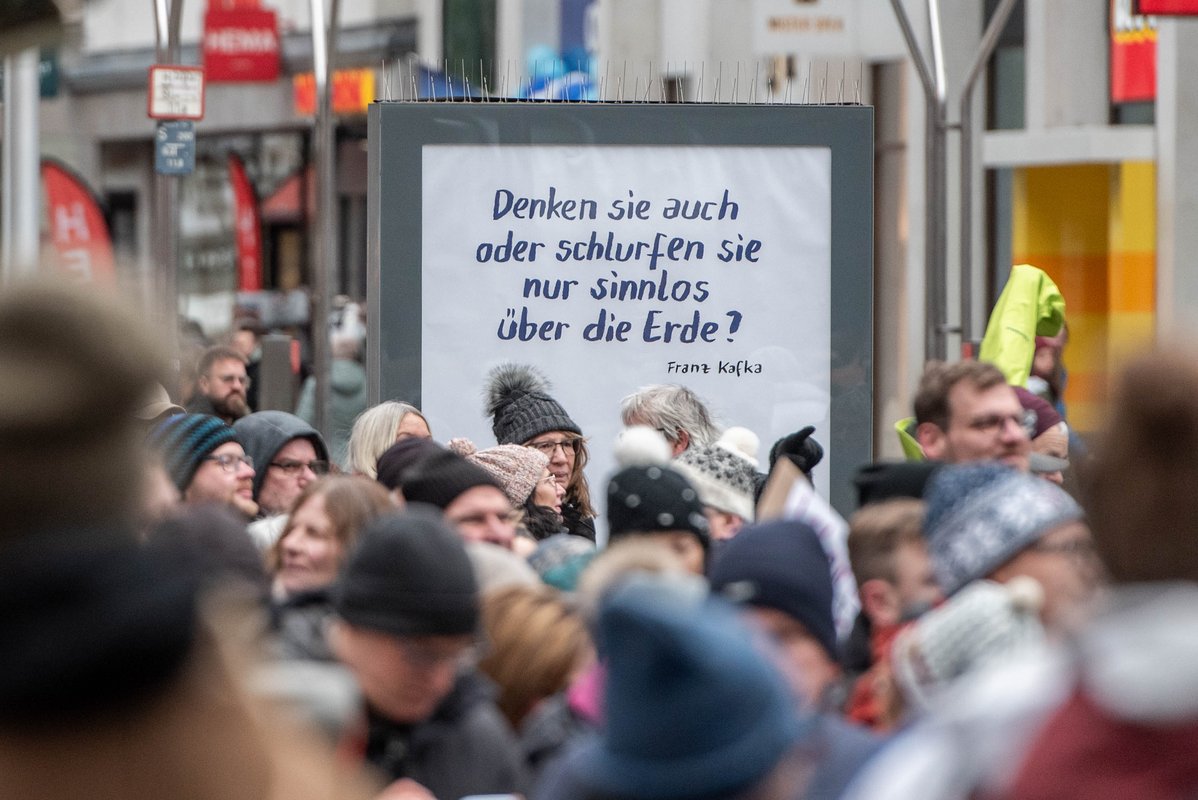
[{"x": 520, "y": 407}]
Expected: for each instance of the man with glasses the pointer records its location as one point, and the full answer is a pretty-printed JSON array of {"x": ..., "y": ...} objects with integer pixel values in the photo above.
[
  {"x": 967, "y": 412},
  {"x": 222, "y": 385},
  {"x": 206, "y": 461},
  {"x": 289, "y": 455},
  {"x": 407, "y": 614}
]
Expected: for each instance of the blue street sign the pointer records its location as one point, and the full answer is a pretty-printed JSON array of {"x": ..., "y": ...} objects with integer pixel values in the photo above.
[{"x": 175, "y": 147}]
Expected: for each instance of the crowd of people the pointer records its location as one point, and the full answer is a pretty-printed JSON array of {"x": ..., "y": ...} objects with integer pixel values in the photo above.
[{"x": 204, "y": 600}]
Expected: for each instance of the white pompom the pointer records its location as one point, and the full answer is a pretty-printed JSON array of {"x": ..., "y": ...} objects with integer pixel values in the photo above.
[
  {"x": 1027, "y": 595},
  {"x": 741, "y": 441},
  {"x": 640, "y": 445}
]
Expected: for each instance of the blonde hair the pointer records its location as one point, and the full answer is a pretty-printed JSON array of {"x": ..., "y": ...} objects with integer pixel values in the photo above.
[
  {"x": 536, "y": 644},
  {"x": 373, "y": 432}
]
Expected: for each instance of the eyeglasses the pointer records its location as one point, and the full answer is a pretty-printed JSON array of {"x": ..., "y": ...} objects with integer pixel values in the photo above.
[
  {"x": 548, "y": 480},
  {"x": 291, "y": 467},
  {"x": 568, "y": 446},
  {"x": 244, "y": 380},
  {"x": 993, "y": 423},
  {"x": 228, "y": 462}
]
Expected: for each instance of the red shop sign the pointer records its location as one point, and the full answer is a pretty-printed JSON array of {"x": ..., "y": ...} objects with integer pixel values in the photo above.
[{"x": 241, "y": 44}]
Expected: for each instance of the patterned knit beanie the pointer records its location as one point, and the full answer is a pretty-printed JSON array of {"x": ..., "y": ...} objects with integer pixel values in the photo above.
[
  {"x": 520, "y": 407},
  {"x": 982, "y": 515},
  {"x": 184, "y": 440},
  {"x": 647, "y": 496},
  {"x": 516, "y": 467},
  {"x": 725, "y": 473}
]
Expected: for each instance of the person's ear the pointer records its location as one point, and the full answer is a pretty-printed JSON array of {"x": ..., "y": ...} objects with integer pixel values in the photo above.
[
  {"x": 931, "y": 440},
  {"x": 880, "y": 602}
]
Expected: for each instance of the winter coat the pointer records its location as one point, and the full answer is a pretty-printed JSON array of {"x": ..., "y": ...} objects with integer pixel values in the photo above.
[
  {"x": 1129, "y": 727},
  {"x": 576, "y": 523},
  {"x": 465, "y": 748},
  {"x": 300, "y": 622},
  {"x": 347, "y": 399}
]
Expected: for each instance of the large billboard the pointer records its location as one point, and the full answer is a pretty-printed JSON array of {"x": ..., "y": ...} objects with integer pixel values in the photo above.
[{"x": 726, "y": 248}]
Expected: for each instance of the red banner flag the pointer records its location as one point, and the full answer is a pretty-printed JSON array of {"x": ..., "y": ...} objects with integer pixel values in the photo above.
[
  {"x": 77, "y": 226},
  {"x": 248, "y": 228}
]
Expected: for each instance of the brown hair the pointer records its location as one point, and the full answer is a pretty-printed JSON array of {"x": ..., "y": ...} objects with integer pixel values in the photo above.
[
  {"x": 939, "y": 378},
  {"x": 350, "y": 501},
  {"x": 1141, "y": 486},
  {"x": 536, "y": 644},
  {"x": 877, "y": 531},
  {"x": 215, "y": 354},
  {"x": 578, "y": 493}
]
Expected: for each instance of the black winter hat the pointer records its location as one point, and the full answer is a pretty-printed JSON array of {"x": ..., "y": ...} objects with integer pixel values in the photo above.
[
  {"x": 782, "y": 565},
  {"x": 520, "y": 407},
  {"x": 883, "y": 480},
  {"x": 440, "y": 478},
  {"x": 397, "y": 459},
  {"x": 409, "y": 576},
  {"x": 651, "y": 499}
]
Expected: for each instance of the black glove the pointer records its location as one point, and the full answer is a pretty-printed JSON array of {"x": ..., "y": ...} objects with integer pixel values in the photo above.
[{"x": 802, "y": 450}]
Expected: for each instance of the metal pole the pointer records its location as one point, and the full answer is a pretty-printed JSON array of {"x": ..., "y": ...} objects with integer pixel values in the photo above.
[
  {"x": 324, "y": 251},
  {"x": 935, "y": 170},
  {"x": 989, "y": 42},
  {"x": 21, "y": 195},
  {"x": 168, "y": 15}
]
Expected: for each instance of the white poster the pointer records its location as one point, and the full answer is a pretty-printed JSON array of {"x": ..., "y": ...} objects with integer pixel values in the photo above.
[{"x": 610, "y": 268}]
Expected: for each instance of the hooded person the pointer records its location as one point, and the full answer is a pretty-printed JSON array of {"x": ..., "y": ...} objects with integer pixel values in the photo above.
[
  {"x": 288, "y": 454},
  {"x": 408, "y": 610},
  {"x": 523, "y": 412},
  {"x": 206, "y": 461}
]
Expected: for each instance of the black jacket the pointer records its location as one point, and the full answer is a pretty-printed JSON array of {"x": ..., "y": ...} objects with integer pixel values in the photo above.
[{"x": 465, "y": 748}]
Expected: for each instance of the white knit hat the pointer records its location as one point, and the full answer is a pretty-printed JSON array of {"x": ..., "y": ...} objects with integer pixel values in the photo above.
[
  {"x": 725, "y": 473},
  {"x": 980, "y": 625}
]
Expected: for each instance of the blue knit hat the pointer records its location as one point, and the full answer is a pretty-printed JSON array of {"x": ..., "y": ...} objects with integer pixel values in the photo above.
[
  {"x": 693, "y": 708},
  {"x": 781, "y": 565},
  {"x": 980, "y": 516},
  {"x": 184, "y": 440}
]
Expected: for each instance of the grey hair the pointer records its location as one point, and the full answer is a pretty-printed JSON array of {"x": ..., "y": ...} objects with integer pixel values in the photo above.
[
  {"x": 374, "y": 432},
  {"x": 670, "y": 408}
]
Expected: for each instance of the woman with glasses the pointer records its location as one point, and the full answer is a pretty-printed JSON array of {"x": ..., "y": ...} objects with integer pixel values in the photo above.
[
  {"x": 321, "y": 529},
  {"x": 522, "y": 412}
]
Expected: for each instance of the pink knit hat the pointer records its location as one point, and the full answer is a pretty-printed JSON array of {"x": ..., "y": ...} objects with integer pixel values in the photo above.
[{"x": 516, "y": 467}]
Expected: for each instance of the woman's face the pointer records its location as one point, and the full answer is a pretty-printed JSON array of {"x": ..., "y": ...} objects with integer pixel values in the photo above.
[
  {"x": 412, "y": 426},
  {"x": 548, "y": 492},
  {"x": 310, "y": 551},
  {"x": 560, "y": 447}
]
